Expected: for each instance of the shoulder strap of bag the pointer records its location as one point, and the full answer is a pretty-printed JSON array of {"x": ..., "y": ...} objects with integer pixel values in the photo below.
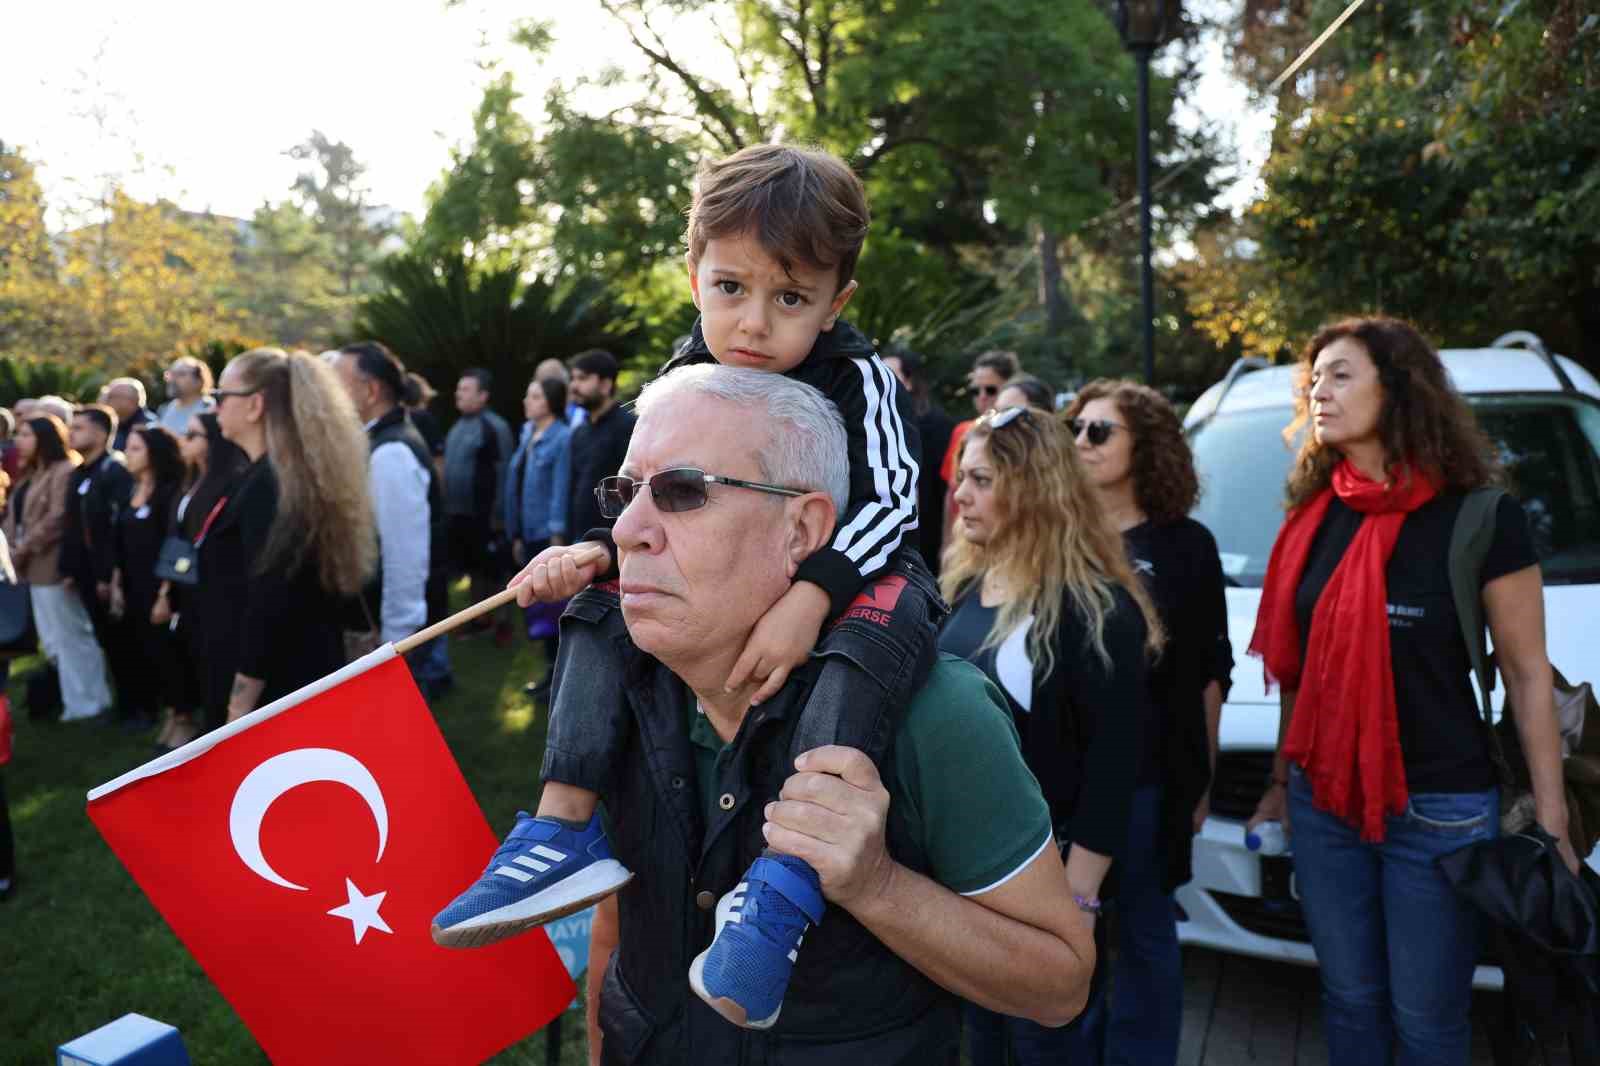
[
  {"x": 210, "y": 518},
  {"x": 1470, "y": 541}
]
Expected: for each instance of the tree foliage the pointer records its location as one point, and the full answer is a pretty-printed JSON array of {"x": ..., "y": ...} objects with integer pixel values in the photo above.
[
  {"x": 442, "y": 316},
  {"x": 987, "y": 132},
  {"x": 1441, "y": 163}
]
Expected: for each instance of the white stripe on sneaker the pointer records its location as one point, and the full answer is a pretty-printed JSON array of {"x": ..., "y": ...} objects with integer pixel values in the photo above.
[
  {"x": 513, "y": 872},
  {"x": 532, "y": 864},
  {"x": 548, "y": 853}
]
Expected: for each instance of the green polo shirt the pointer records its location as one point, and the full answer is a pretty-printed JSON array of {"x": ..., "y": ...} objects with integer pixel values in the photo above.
[{"x": 960, "y": 783}]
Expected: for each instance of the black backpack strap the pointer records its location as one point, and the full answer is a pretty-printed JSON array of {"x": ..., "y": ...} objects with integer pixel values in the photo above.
[{"x": 1470, "y": 541}]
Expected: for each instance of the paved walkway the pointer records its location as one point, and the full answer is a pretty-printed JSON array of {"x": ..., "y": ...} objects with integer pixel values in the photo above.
[{"x": 1240, "y": 1011}]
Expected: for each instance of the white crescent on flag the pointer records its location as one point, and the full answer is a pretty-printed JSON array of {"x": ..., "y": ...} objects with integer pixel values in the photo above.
[{"x": 278, "y": 775}]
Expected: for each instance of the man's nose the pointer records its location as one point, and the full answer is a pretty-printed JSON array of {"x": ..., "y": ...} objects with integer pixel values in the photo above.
[{"x": 638, "y": 527}]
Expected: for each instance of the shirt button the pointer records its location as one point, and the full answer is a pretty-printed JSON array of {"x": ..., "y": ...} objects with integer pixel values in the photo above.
[
  {"x": 677, "y": 782},
  {"x": 726, "y": 802},
  {"x": 705, "y": 901}
]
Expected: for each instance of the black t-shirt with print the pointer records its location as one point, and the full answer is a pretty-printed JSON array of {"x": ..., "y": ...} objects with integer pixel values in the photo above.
[
  {"x": 1180, "y": 568},
  {"x": 1442, "y": 740}
]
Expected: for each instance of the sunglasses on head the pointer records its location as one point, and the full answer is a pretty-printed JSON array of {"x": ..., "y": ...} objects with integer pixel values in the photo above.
[
  {"x": 1099, "y": 431},
  {"x": 680, "y": 489},
  {"x": 1004, "y": 417}
]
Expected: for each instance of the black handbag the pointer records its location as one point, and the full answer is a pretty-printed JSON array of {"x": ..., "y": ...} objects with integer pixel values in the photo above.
[{"x": 179, "y": 560}]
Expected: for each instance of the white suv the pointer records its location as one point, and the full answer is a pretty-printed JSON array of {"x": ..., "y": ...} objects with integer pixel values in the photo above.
[{"x": 1543, "y": 412}]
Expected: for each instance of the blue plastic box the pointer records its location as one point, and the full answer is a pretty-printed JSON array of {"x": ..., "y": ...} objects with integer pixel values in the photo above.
[{"x": 131, "y": 1040}]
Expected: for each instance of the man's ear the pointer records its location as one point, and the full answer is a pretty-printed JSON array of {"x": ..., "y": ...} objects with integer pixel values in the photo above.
[
  {"x": 812, "y": 518},
  {"x": 837, "y": 307},
  {"x": 694, "y": 279}
]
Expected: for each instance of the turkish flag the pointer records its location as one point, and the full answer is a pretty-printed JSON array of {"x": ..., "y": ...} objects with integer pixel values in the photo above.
[{"x": 300, "y": 854}]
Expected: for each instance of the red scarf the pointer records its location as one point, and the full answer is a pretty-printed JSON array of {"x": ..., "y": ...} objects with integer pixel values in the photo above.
[{"x": 1344, "y": 733}]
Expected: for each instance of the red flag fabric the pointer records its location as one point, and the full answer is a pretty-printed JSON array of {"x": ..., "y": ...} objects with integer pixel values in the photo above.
[{"x": 300, "y": 854}]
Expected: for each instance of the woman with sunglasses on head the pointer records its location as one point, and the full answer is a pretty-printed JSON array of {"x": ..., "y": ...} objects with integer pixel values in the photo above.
[
  {"x": 1383, "y": 763},
  {"x": 1045, "y": 603},
  {"x": 1134, "y": 452},
  {"x": 295, "y": 542}
]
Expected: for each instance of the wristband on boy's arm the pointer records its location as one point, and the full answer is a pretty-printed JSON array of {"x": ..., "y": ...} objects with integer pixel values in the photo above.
[{"x": 832, "y": 571}]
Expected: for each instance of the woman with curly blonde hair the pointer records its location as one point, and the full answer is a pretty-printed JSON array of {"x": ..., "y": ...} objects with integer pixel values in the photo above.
[
  {"x": 1134, "y": 451},
  {"x": 295, "y": 541},
  {"x": 1045, "y": 603}
]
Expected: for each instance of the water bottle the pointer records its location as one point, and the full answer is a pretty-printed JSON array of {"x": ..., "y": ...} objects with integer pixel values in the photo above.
[{"x": 1268, "y": 838}]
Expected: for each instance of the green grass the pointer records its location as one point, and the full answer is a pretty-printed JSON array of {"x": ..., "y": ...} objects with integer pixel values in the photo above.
[{"x": 79, "y": 943}]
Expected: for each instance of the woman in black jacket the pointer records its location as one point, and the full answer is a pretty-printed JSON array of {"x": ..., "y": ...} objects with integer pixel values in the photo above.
[
  {"x": 1045, "y": 603},
  {"x": 296, "y": 541},
  {"x": 137, "y": 532},
  {"x": 1134, "y": 451}
]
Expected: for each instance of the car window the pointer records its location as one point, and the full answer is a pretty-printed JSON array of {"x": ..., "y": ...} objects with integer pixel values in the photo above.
[
  {"x": 1550, "y": 448},
  {"x": 1243, "y": 464}
]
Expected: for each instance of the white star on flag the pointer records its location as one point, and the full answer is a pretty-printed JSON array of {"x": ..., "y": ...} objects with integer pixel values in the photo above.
[{"x": 362, "y": 911}]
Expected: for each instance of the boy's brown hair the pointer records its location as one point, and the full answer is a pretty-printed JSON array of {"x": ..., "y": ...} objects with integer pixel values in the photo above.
[{"x": 804, "y": 205}]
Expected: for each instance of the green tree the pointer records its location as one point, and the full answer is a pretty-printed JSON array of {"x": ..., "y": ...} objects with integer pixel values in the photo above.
[
  {"x": 287, "y": 281},
  {"x": 27, "y": 270},
  {"x": 443, "y": 316},
  {"x": 1442, "y": 163},
  {"x": 982, "y": 128},
  {"x": 333, "y": 193}
]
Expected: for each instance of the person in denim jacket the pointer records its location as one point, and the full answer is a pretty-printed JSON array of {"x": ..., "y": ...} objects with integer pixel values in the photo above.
[{"x": 538, "y": 482}]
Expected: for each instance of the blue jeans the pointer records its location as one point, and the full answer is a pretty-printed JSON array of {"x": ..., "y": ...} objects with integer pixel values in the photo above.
[
  {"x": 1397, "y": 947},
  {"x": 1147, "y": 972}
]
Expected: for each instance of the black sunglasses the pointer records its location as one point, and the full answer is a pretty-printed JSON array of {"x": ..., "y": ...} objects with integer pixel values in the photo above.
[
  {"x": 218, "y": 395},
  {"x": 680, "y": 489},
  {"x": 985, "y": 390},
  {"x": 1099, "y": 430}
]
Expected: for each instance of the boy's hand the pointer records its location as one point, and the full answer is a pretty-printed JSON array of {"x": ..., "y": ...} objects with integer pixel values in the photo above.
[
  {"x": 781, "y": 640},
  {"x": 557, "y": 574}
]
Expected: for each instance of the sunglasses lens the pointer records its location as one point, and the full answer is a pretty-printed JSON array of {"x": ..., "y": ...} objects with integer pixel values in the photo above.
[
  {"x": 613, "y": 494},
  {"x": 679, "y": 490},
  {"x": 1099, "y": 433}
]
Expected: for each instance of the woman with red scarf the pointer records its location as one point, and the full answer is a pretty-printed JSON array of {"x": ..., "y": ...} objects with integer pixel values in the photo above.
[{"x": 1383, "y": 763}]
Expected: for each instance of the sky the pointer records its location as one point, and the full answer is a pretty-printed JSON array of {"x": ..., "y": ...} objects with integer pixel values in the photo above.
[{"x": 199, "y": 100}]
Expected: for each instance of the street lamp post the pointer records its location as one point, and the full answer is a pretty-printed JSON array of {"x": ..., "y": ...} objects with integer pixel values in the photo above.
[{"x": 1143, "y": 24}]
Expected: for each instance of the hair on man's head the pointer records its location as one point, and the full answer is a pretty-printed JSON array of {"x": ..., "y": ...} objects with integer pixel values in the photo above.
[
  {"x": 98, "y": 413},
  {"x": 377, "y": 363},
  {"x": 802, "y": 205},
  {"x": 597, "y": 361}
]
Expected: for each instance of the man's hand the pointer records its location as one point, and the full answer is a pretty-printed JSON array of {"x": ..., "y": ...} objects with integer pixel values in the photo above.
[
  {"x": 560, "y": 573},
  {"x": 832, "y": 814},
  {"x": 781, "y": 641}
]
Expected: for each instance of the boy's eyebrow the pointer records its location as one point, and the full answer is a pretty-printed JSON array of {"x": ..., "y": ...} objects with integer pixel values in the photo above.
[{"x": 788, "y": 283}]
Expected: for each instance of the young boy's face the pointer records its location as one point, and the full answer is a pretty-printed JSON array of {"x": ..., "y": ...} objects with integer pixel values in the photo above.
[{"x": 756, "y": 315}]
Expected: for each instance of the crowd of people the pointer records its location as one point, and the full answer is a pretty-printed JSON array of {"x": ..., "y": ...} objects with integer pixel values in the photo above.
[{"x": 923, "y": 701}]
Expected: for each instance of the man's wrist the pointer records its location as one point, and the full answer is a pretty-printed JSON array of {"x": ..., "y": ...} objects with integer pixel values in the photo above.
[{"x": 877, "y": 899}]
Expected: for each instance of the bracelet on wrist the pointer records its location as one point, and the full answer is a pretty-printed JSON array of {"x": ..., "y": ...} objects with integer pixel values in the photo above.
[{"x": 1087, "y": 904}]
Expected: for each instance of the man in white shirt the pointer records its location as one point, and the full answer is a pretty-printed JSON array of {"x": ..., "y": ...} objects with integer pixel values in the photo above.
[
  {"x": 188, "y": 381},
  {"x": 405, "y": 500}
]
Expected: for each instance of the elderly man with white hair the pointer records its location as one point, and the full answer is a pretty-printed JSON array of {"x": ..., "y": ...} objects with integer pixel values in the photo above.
[
  {"x": 126, "y": 397},
  {"x": 940, "y": 874}
]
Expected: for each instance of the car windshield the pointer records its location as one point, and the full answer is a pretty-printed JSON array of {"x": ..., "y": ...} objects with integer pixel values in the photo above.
[{"x": 1550, "y": 447}]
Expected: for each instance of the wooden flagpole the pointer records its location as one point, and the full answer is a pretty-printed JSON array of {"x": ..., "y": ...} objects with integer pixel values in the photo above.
[{"x": 575, "y": 560}]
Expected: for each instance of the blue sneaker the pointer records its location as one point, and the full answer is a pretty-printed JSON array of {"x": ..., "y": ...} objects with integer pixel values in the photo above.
[
  {"x": 542, "y": 872},
  {"x": 745, "y": 972}
]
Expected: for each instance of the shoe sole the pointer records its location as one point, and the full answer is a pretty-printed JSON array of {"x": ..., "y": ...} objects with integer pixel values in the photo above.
[
  {"x": 724, "y": 1006},
  {"x": 604, "y": 878}
]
